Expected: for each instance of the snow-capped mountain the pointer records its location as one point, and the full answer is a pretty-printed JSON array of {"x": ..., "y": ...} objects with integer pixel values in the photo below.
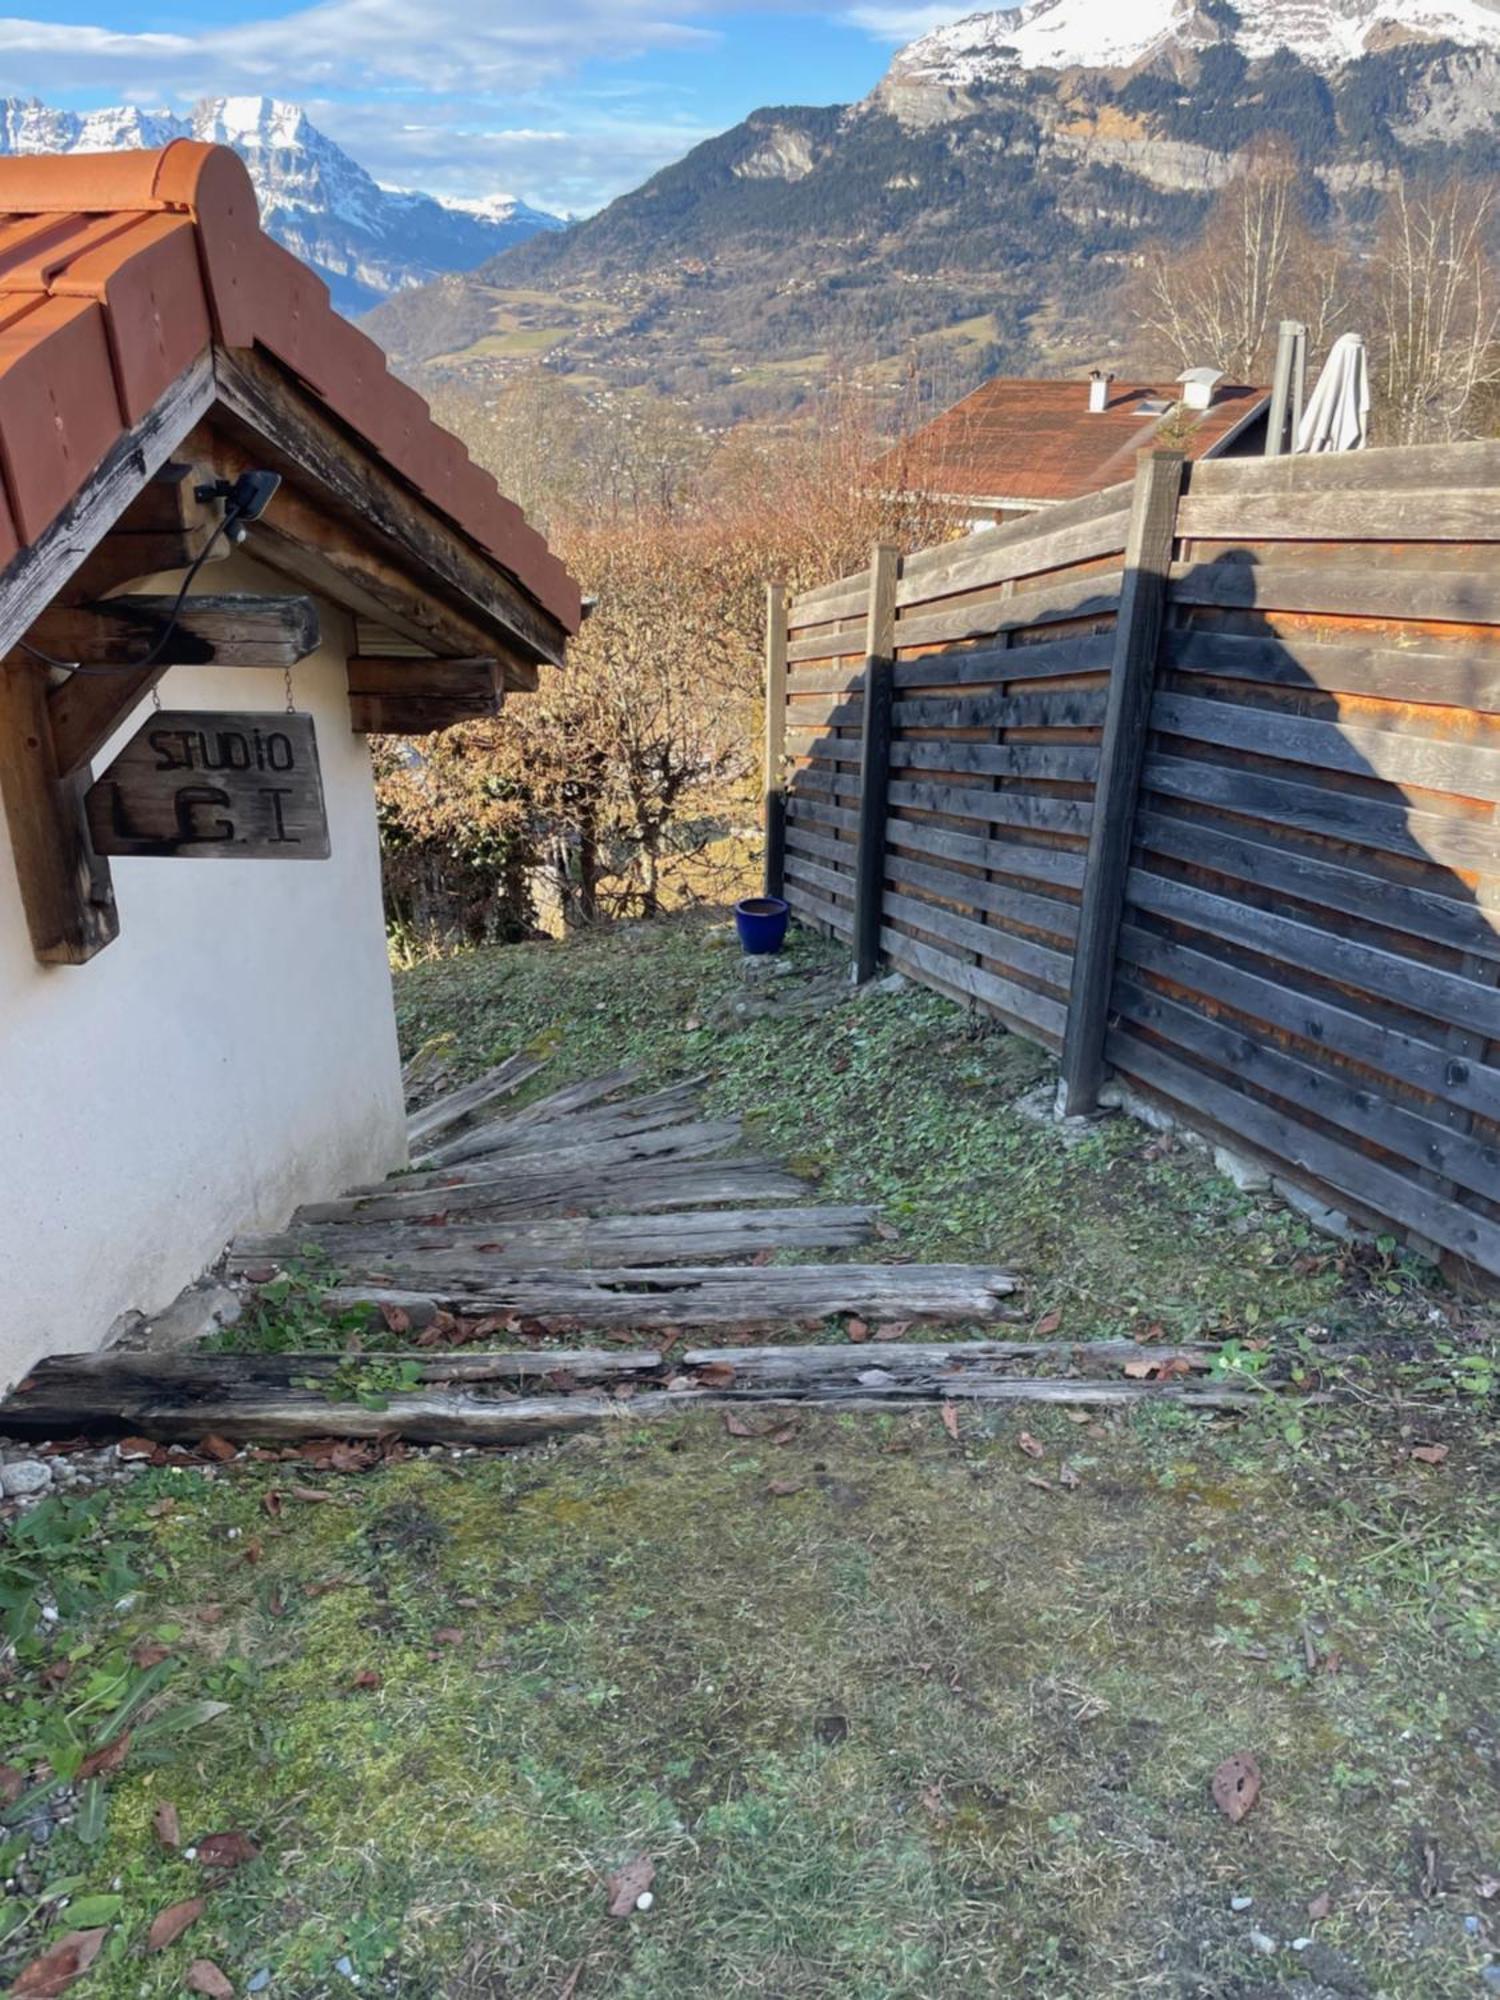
[
  {"x": 367, "y": 241},
  {"x": 987, "y": 48}
]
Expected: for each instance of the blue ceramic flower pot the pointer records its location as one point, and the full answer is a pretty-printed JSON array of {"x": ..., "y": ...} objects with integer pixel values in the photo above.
[{"x": 761, "y": 923}]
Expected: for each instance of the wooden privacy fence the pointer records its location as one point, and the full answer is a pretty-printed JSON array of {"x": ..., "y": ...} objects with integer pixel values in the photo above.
[{"x": 1193, "y": 781}]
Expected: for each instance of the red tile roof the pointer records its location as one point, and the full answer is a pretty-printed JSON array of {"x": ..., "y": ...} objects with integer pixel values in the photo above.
[
  {"x": 118, "y": 270},
  {"x": 1027, "y": 442}
]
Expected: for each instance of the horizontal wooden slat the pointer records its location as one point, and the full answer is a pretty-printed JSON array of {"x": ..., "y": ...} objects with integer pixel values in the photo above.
[
  {"x": 1425, "y": 1064},
  {"x": 814, "y": 812},
  {"x": 809, "y": 905},
  {"x": 1442, "y": 597},
  {"x": 1043, "y": 913},
  {"x": 1401, "y": 512},
  {"x": 1456, "y": 676},
  {"x": 827, "y": 646},
  {"x": 1396, "y": 755},
  {"x": 841, "y": 586},
  {"x": 1335, "y": 1098},
  {"x": 1018, "y": 535},
  {"x": 983, "y": 559},
  {"x": 1037, "y": 961},
  {"x": 1094, "y": 596},
  {"x": 1048, "y": 762},
  {"x": 830, "y": 610},
  {"x": 999, "y": 808},
  {"x": 814, "y": 876},
  {"x": 1293, "y": 1145},
  {"x": 844, "y": 681},
  {"x": 1379, "y": 469},
  {"x": 1339, "y": 815},
  {"x": 800, "y": 841},
  {"x": 1075, "y": 710},
  {"x": 1404, "y": 982},
  {"x": 1051, "y": 659},
  {"x": 1395, "y": 906},
  {"x": 1061, "y": 865},
  {"x": 1037, "y": 1012}
]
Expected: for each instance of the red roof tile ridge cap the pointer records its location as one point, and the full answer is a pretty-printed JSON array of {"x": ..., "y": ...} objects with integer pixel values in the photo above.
[{"x": 185, "y": 174}]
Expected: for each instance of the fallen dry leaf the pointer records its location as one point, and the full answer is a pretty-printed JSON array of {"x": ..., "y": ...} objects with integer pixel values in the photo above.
[
  {"x": 60, "y": 1965},
  {"x": 1155, "y": 1331},
  {"x": 169, "y": 1924},
  {"x": 715, "y": 1375},
  {"x": 447, "y": 1635},
  {"x": 887, "y": 1232},
  {"x": 1173, "y": 1366},
  {"x": 1236, "y": 1786},
  {"x": 397, "y": 1319},
  {"x": 782, "y": 1487},
  {"x": 12, "y": 1784},
  {"x": 628, "y": 1882},
  {"x": 1319, "y": 1907},
  {"x": 1049, "y": 1322},
  {"x": 271, "y": 1502},
  {"x": 762, "y": 1258},
  {"x": 950, "y": 1419},
  {"x": 1429, "y": 1454},
  {"x": 892, "y": 1329},
  {"x": 736, "y": 1425},
  {"x": 203, "y": 1976},
  {"x": 1140, "y": 1371},
  {"x": 209, "y": 1614},
  {"x": 213, "y": 1446},
  {"x": 226, "y": 1850},
  {"x": 1079, "y": 1417},
  {"x": 857, "y": 1329},
  {"x": 137, "y": 1448},
  {"x": 1042, "y": 1485},
  {"x": 1067, "y": 1477},
  {"x": 312, "y": 1494},
  {"x": 100, "y": 1763},
  {"x": 783, "y": 1434},
  {"x": 366, "y": 1678},
  {"x": 254, "y": 1549},
  {"x": 1032, "y": 1447},
  {"x": 166, "y": 1825}
]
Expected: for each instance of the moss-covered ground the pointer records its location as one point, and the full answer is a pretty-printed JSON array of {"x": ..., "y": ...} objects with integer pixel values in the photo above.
[{"x": 893, "y": 1711}]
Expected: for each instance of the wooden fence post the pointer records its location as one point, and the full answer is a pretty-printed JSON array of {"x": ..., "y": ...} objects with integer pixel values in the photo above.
[
  {"x": 775, "y": 769},
  {"x": 875, "y": 759},
  {"x": 1127, "y": 716}
]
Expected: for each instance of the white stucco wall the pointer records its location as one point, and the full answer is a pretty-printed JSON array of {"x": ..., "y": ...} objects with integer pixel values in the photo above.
[{"x": 231, "y": 1054}]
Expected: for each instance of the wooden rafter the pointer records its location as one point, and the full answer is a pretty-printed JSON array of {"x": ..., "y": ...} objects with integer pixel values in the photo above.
[{"x": 393, "y": 695}]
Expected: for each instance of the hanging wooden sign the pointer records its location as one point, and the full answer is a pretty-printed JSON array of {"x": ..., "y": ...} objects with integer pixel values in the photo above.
[{"x": 215, "y": 786}]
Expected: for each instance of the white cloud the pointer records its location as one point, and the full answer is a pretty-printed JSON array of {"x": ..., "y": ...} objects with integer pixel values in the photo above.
[{"x": 904, "y": 24}]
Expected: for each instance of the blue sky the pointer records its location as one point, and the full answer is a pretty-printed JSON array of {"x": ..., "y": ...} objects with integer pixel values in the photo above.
[{"x": 565, "y": 102}]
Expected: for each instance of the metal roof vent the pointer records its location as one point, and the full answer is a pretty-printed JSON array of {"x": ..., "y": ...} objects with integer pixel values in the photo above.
[{"x": 1198, "y": 386}]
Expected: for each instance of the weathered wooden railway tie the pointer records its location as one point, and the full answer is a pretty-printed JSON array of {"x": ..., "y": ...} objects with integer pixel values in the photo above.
[{"x": 589, "y": 1209}]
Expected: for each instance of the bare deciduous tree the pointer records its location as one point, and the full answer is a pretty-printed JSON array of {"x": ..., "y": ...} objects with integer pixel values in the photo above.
[
  {"x": 1434, "y": 311},
  {"x": 1258, "y": 261}
]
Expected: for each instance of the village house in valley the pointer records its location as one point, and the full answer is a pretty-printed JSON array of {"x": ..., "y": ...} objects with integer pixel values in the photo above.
[
  {"x": 196, "y": 1026},
  {"x": 1014, "y": 445}
]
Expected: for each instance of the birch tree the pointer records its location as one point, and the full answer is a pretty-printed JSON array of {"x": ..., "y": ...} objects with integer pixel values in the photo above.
[{"x": 1434, "y": 309}]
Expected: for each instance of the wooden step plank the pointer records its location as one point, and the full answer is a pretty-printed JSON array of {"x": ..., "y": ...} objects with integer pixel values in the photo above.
[
  {"x": 682, "y": 1142},
  {"x": 248, "y": 1411},
  {"x": 505, "y": 1135},
  {"x": 668, "y": 1184},
  {"x": 425, "y": 1125},
  {"x": 765, "y": 1296},
  {"x": 478, "y": 1255}
]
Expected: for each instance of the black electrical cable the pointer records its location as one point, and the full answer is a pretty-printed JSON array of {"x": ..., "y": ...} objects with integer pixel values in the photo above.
[{"x": 231, "y": 515}]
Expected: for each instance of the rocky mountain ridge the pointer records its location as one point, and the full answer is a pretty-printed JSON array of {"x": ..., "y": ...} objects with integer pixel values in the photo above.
[
  {"x": 365, "y": 240},
  {"x": 979, "y": 208}
]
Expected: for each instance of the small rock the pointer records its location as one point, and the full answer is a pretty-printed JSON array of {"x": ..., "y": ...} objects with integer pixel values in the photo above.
[
  {"x": 1238, "y": 1903},
  {"x": 25, "y": 1476},
  {"x": 644, "y": 1900},
  {"x": 345, "y": 1966},
  {"x": 1259, "y": 1941},
  {"x": 1249, "y": 1176},
  {"x": 1301, "y": 1944},
  {"x": 258, "y": 1981}
]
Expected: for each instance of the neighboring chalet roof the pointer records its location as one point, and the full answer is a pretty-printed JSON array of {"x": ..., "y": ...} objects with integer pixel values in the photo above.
[
  {"x": 1022, "y": 443},
  {"x": 140, "y": 296}
]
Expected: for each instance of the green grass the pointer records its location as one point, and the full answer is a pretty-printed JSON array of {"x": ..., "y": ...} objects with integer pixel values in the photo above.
[{"x": 893, "y": 1720}]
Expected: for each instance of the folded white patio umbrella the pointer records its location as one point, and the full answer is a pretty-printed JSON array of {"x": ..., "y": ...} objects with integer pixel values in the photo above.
[{"x": 1337, "y": 413}]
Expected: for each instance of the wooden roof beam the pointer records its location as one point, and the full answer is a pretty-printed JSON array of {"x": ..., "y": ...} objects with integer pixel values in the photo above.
[{"x": 396, "y": 695}]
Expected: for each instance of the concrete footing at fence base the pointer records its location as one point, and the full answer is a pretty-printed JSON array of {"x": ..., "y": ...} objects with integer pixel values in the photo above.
[{"x": 1247, "y": 1174}]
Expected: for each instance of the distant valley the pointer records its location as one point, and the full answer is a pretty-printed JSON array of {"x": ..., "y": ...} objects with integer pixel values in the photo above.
[{"x": 976, "y": 212}]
